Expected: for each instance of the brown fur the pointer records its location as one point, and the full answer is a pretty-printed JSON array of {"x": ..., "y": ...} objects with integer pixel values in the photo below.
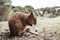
[{"x": 18, "y": 21}]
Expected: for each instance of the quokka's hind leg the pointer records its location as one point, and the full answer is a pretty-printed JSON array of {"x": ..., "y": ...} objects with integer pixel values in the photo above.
[{"x": 13, "y": 32}]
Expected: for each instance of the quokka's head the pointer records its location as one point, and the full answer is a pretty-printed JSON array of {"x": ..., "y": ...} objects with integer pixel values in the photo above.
[{"x": 31, "y": 20}]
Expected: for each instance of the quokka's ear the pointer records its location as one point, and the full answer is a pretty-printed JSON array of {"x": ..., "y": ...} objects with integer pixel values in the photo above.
[{"x": 31, "y": 14}]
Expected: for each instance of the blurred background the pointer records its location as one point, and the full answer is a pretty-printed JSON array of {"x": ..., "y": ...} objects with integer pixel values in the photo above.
[{"x": 7, "y": 7}]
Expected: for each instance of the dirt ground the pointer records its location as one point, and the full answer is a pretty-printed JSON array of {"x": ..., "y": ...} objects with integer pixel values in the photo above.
[{"x": 47, "y": 29}]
